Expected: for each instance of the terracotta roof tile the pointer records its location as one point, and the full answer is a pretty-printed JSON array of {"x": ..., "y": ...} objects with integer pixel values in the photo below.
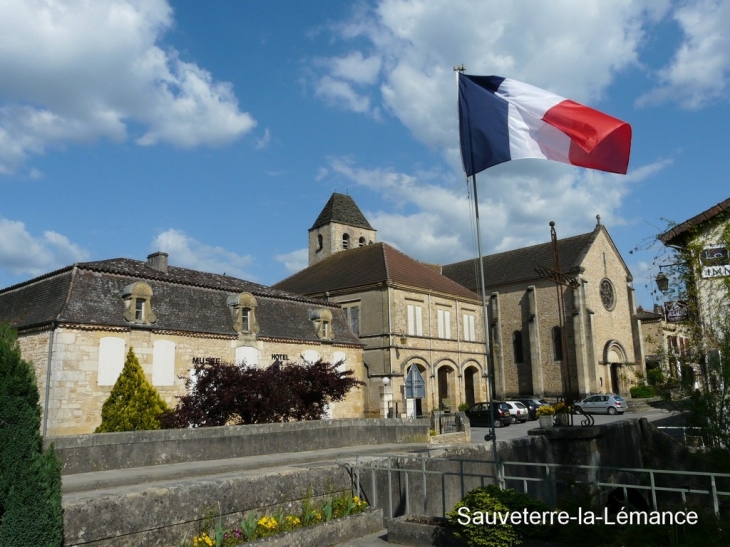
[
  {"x": 370, "y": 265},
  {"x": 681, "y": 230}
]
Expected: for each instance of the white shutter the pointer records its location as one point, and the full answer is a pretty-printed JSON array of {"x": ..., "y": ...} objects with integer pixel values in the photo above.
[
  {"x": 111, "y": 360},
  {"x": 163, "y": 363},
  {"x": 419, "y": 321},
  {"x": 447, "y": 324}
]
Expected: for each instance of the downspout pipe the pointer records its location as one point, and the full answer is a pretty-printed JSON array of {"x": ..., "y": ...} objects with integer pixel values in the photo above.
[{"x": 49, "y": 363}]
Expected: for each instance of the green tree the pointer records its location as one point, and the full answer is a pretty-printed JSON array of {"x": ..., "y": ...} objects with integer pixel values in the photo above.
[
  {"x": 30, "y": 479},
  {"x": 133, "y": 404}
]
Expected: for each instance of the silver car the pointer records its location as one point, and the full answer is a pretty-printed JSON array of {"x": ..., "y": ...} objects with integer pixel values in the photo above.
[{"x": 604, "y": 404}]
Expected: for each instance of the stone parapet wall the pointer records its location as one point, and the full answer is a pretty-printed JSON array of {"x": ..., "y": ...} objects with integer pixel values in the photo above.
[{"x": 106, "y": 451}]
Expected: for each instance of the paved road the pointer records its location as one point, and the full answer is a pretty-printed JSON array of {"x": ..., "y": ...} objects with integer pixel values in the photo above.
[{"x": 520, "y": 430}]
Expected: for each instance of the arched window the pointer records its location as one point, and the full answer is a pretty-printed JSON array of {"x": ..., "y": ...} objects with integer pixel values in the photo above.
[
  {"x": 361, "y": 242},
  {"x": 345, "y": 241},
  {"x": 557, "y": 344},
  {"x": 320, "y": 242},
  {"x": 517, "y": 347}
]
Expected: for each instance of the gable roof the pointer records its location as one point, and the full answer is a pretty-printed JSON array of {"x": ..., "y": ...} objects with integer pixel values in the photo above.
[
  {"x": 370, "y": 265},
  {"x": 341, "y": 209},
  {"x": 185, "y": 300},
  {"x": 519, "y": 264},
  {"x": 679, "y": 232}
]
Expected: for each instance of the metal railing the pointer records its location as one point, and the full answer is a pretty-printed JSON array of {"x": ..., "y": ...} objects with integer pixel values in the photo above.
[
  {"x": 449, "y": 423},
  {"x": 688, "y": 436},
  {"x": 410, "y": 484}
]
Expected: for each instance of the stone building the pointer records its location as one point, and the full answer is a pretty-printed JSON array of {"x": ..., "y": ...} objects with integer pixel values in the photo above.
[
  {"x": 76, "y": 324},
  {"x": 602, "y": 335},
  {"x": 664, "y": 342},
  {"x": 706, "y": 237},
  {"x": 411, "y": 318}
]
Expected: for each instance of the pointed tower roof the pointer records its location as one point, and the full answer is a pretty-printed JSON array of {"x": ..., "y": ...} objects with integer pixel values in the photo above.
[{"x": 341, "y": 209}]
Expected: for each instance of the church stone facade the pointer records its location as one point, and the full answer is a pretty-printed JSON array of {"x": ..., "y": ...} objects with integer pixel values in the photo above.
[{"x": 602, "y": 335}]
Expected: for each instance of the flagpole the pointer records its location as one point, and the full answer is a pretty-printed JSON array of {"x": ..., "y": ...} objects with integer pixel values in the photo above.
[{"x": 487, "y": 351}]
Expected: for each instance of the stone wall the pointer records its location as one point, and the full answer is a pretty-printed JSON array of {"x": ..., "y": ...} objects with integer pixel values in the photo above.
[
  {"x": 76, "y": 398},
  {"x": 106, "y": 451}
]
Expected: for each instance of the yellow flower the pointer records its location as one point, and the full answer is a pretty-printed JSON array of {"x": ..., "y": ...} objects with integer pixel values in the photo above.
[{"x": 269, "y": 523}]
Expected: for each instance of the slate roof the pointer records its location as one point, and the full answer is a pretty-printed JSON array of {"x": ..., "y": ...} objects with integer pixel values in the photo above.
[
  {"x": 342, "y": 209},
  {"x": 366, "y": 266},
  {"x": 519, "y": 265},
  {"x": 183, "y": 300},
  {"x": 679, "y": 232}
]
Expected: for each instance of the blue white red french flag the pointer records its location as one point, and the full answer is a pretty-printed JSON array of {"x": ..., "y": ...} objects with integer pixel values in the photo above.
[{"x": 502, "y": 120}]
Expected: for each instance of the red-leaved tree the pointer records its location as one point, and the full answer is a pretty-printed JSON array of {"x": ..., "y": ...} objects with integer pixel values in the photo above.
[{"x": 239, "y": 394}]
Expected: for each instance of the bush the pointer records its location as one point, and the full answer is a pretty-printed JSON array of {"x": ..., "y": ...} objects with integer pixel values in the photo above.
[
  {"x": 30, "y": 479},
  {"x": 654, "y": 377},
  {"x": 493, "y": 501},
  {"x": 463, "y": 407},
  {"x": 133, "y": 404},
  {"x": 642, "y": 392},
  {"x": 232, "y": 394}
]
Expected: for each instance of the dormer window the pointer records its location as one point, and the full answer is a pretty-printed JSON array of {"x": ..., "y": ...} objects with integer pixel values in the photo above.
[
  {"x": 138, "y": 303},
  {"x": 346, "y": 241},
  {"x": 322, "y": 320},
  {"x": 243, "y": 314},
  {"x": 245, "y": 320},
  {"x": 139, "y": 310}
]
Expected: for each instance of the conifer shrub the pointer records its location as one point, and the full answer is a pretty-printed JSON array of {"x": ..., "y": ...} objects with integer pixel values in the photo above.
[
  {"x": 133, "y": 404},
  {"x": 30, "y": 479}
]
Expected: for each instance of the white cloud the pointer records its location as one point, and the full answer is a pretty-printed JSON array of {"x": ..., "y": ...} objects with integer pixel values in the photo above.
[
  {"x": 561, "y": 46},
  {"x": 295, "y": 260},
  {"x": 263, "y": 142},
  {"x": 340, "y": 93},
  {"x": 356, "y": 68},
  {"x": 700, "y": 70},
  {"x": 515, "y": 206},
  {"x": 78, "y": 71},
  {"x": 186, "y": 252},
  {"x": 22, "y": 253}
]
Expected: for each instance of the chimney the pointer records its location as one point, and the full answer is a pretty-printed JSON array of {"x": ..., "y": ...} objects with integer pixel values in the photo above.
[
  {"x": 658, "y": 309},
  {"x": 158, "y": 261}
]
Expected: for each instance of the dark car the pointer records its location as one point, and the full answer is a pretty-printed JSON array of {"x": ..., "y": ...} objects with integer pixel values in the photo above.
[
  {"x": 480, "y": 415},
  {"x": 532, "y": 404}
]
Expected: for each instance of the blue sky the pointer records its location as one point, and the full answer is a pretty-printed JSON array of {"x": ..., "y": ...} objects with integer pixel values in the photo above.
[{"x": 216, "y": 131}]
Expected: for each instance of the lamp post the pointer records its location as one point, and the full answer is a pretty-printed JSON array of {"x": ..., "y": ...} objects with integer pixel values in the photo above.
[{"x": 386, "y": 399}]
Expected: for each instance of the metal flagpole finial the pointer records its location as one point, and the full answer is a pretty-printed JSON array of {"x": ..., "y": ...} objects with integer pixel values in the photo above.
[{"x": 461, "y": 68}]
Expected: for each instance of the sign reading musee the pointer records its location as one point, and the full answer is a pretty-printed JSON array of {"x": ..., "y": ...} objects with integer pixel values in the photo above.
[{"x": 715, "y": 262}]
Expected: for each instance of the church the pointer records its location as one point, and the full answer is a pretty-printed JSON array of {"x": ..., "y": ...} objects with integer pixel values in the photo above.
[{"x": 411, "y": 314}]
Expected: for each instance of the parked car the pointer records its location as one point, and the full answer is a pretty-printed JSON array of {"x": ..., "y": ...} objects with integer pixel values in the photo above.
[
  {"x": 518, "y": 412},
  {"x": 532, "y": 404},
  {"x": 480, "y": 415},
  {"x": 605, "y": 404}
]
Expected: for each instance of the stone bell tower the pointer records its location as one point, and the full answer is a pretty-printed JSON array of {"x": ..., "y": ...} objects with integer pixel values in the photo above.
[{"x": 339, "y": 227}]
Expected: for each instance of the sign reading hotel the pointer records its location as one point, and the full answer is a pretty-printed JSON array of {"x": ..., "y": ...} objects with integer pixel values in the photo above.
[
  {"x": 676, "y": 311},
  {"x": 715, "y": 262}
]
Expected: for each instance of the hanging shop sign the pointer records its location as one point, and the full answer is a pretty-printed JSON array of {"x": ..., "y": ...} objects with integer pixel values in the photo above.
[
  {"x": 715, "y": 262},
  {"x": 676, "y": 311}
]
